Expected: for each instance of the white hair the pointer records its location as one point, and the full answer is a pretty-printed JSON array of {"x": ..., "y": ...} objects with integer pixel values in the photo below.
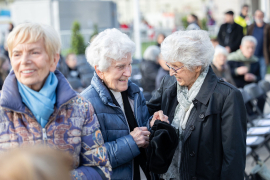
[
  {"x": 249, "y": 39},
  {"x": 220, "y": 50},
  {"x": 110, "y": 45},
  {"x": 151, "y": 53},
  {"x": 192, "y": 48}
]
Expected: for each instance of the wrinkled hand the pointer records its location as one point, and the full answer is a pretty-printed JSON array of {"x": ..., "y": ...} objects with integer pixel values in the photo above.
[
  {"x": 242, "y": 70},
  {"x": 250, "y": 77},
  {"x": 159, "y": 116},
  {"x": 141, "y": 136}
]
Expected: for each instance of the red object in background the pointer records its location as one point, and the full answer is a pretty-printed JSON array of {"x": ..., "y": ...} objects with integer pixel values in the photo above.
[{"x": 124, "y": 26}]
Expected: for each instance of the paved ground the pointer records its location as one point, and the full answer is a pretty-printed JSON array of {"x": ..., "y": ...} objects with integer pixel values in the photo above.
[{"x": 262, "y": 152}]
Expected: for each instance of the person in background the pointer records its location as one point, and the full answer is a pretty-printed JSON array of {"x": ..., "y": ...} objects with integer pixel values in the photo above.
[
  {"x": 71, "y": 61},
  {"x": 62, "y": 66},
  {"x": 261, "y": 31},
  {"x": 162, "y": 72},
  {"x": 44, "y": 109},
  {"x": 119, "y": 104},
  {"x": 10, "y": 28},
  {"x": 149, "y": 68},
  {"x": 160, "y": 39},
  {"x": 245, "y": 67},
  {"x": 220, "y": 66},
  {"x": 193, "y": 22},
  {"x": 230, "y": 34},
  {"x": 35, "y": 163},
  {"x": 243, "y": 18},
  {"x": 4, "y": 69}
]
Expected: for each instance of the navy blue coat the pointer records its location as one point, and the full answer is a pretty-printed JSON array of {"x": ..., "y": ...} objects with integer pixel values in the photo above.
[{"x": 120, "y": 145}]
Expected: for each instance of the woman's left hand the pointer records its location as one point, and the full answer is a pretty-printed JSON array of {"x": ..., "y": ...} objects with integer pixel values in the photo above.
[{"x": 159, "y": 116}]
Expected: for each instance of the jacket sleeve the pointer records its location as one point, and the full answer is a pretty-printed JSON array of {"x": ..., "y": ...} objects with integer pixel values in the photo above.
[
  {"x": 219, "y": 36},
  {"x": 233, "y": 66},
  {"x": 237, "y": 41},
  {"x": 94, "y": 161},
  {"x": 154, "y": 104},
  {"x": 122, "y": 150},
  {"x": 233, "y": 131}
]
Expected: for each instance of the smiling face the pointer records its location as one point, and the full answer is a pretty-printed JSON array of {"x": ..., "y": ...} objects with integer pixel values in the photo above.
[
  {"x": 116, "y": 76},
  {"x": 32, "y": 64},
  {"x": 184, "y": 76}
]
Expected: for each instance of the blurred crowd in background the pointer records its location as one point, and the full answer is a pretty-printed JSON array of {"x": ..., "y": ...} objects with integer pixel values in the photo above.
[{"x": 242, "y": 55}]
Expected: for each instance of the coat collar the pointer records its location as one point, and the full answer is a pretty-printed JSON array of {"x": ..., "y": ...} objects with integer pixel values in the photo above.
[
  {"x": 208, "y": 87},
  {"x": 104, "y": 93},
  {"x": 11, "y": 98}
]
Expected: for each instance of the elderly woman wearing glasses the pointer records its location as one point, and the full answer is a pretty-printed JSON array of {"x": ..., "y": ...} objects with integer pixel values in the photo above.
[
  {"x": 119, "y": 104},
  {"x": 38, "y": 106},
  {"x": 208, "y": 113}
]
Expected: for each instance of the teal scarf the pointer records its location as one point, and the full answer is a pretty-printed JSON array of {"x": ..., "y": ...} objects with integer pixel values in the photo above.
[{"x": 40, "y": 103}]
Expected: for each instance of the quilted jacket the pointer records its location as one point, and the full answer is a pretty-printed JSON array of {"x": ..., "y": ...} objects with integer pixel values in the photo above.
[
  {"x": 122, "y": 148},
  {"x": 73, "y": 127}
]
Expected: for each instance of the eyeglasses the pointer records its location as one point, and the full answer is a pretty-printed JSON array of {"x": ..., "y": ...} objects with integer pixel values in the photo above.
[{"x": 175, "y": 70}]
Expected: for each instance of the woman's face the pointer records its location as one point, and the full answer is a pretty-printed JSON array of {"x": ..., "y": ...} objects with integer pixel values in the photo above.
[
  {"x": 116, "y": 76},
  {"x": 184, "y": 76},
  {"x": 31, "y": 64}
]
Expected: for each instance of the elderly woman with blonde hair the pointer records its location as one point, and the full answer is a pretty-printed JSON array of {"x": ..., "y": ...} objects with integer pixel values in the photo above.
[
  {"x": 208, "y": 112},
  {"x": 119, "y": 104},
  {"x": 38, "y": 106}
]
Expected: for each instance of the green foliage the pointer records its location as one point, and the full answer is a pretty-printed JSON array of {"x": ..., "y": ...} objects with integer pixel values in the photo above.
[
  {"x": 146, "y": 44},
  {"x": 204, "y": 24},
  {"x": 95, "y": 32},
  {"x": 77, "y": 41},
  {"x": 184, "y": 21}
]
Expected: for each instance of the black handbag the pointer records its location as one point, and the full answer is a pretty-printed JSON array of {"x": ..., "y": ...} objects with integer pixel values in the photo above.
[{"x": 162, "y": 144}]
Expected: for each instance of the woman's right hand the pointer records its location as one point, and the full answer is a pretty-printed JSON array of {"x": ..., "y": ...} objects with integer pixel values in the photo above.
[
  {"x": 141, "y": 136},
  {"x": 159, "y": 116}
]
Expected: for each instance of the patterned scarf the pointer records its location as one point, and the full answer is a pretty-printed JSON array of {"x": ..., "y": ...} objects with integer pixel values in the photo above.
[{"x": 185, "y": 98}]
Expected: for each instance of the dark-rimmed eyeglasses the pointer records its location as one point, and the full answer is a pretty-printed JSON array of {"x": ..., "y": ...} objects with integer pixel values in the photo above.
[{"x": 174, "y": 70}]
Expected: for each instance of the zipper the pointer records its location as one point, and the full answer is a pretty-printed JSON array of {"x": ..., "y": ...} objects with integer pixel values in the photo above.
[
  {"x": 135, "y": 110},
  {"x": 44, "y": 134}
]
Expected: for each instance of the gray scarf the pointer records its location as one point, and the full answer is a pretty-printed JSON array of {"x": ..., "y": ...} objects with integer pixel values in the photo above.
[{"x": 185, "y": 98}]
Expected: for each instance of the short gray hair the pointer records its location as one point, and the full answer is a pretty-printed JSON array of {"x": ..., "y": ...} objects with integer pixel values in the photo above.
[
  {"x": 249, "y": 39},
  {"x": 110, "y": 45},
  {"x": 151, "y": 53},
  {"x": 192, "y": 48},
  {"x": 221, "y": 50}
]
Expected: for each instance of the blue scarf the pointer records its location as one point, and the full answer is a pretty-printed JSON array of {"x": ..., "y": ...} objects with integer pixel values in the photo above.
[{"x": 40, "y": 103}]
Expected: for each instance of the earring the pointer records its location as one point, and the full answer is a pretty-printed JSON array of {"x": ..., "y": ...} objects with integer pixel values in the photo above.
[{"x": 102, "y": 81}]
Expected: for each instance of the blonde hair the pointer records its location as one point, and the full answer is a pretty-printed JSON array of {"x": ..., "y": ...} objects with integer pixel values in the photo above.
[
  {"x": 33, "y": 32},
  {"x": 35, "y": 163}
]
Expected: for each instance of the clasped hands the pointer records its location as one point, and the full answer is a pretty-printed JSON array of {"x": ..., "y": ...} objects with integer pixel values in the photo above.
[{"x": 141, "y": 134}]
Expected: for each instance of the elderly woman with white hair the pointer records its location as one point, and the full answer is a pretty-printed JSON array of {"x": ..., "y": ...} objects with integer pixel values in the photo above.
[
  {"x": 38, "y": 106},
  {"x": 208, "y": 112},
  {"x": 149, "y": 68},
  {"x": 220, "y": 66},
  {"x": 118, "y": 103},
  {"x": 245, "y": 67}
]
